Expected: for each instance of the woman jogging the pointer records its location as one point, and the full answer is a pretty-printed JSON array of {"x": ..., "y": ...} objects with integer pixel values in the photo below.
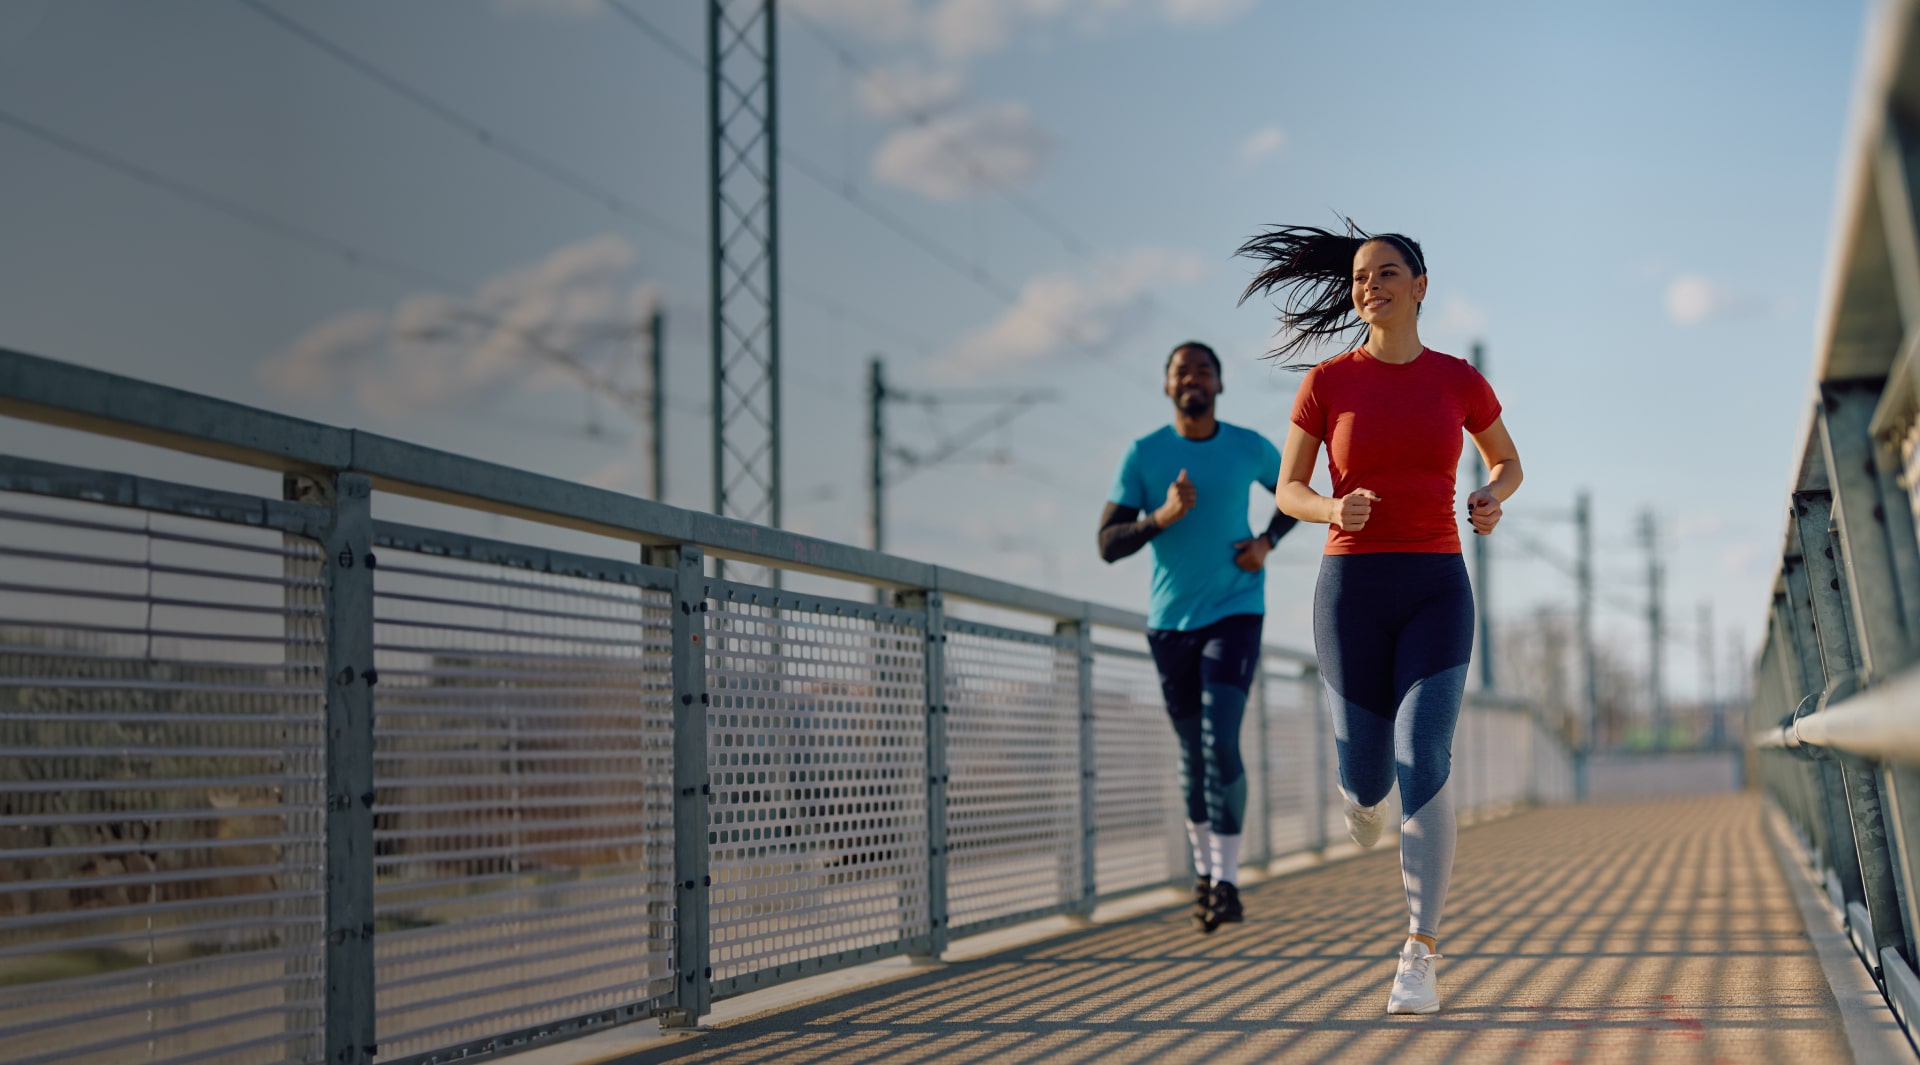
[{"x": 1392, "y": 612}]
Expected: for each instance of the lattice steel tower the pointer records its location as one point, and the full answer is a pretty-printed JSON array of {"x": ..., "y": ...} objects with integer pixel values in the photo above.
[{"x": 744, "y": 222}]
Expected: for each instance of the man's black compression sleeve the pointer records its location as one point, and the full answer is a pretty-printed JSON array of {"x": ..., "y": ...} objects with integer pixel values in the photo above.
[
  {"x": 1278, "y": 527},
  {"x": 1123, "y": 531}
]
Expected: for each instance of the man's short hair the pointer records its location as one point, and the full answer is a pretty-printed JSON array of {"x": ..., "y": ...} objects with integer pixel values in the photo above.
[{"x": 1184, "y": 345}]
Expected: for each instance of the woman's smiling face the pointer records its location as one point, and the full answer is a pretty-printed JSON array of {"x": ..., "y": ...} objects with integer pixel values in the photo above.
[{"x": 1385, "y": 290}]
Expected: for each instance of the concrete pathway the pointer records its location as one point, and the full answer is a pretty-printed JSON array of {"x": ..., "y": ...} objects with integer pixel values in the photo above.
[{"x": 1630, "y": 933}]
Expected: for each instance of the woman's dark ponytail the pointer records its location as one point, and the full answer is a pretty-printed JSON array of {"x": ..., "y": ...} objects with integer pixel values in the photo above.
[{"x": 1310, "y": 271}]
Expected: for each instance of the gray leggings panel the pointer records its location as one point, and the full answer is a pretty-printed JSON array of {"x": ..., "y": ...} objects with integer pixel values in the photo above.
[{"x": 1426, "y": 861}]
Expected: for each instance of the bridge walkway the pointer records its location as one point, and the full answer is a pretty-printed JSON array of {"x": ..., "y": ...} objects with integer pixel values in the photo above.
[{"x": 1649, "y": 932}]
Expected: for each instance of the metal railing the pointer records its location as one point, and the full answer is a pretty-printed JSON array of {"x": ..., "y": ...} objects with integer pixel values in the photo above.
[
  {"x": 1837, "y": 695},
  {"x": 284, "y": 781}
]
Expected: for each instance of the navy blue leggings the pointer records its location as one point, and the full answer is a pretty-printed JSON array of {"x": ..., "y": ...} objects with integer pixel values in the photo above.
[
  {"x": 1205, "y": 675},
  {"x": 1394, "y": 633}
]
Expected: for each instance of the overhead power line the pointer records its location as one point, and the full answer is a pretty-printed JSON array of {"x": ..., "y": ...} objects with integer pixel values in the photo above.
[
  {"x": 1613, "y": 600},
  {"x": 555, "y": 171},
  {"x": 352, "y": 255},
  {"x": 487, "y": 137},
  {"x": 558, "y": 173},
  {"x": 935, "y": 249},
  {"x": 926, "y": 119}
]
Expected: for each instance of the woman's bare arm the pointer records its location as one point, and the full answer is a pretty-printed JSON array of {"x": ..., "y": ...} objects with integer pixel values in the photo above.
[
  {"x": 1504, "y": 476},
  {"x": 1295, "y": 498}
]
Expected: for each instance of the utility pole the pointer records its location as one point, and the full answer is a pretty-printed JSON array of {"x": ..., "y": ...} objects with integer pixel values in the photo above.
[
  {"x": 1011, "y": 403},
  {"x": 1709, "y": 698},
  {"x": 1482, "y": 577},
  {"x": 1589, "y": 665},
  {"x": 1736, "y": 691},
  {"x": 877, "y": 450},
  {"x": 1649, "y": 538},
  {"x": 657, "y": 400}
]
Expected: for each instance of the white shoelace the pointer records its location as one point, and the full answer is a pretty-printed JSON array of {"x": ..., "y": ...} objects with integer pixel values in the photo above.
[{"x": 1419, "y": 966}]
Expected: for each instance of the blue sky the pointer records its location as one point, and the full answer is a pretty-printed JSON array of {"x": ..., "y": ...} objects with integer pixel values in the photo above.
[{"x": 1629, "y": 203}]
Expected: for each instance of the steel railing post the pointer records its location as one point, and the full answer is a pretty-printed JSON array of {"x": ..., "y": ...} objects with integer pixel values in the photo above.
[
  {"x": 1322, "y": 779},
  {"x": 1263, "y": 736},
  {"x": 1082, "y": 632},
  {"x": 935, "y": 666},
  {"x": 1897, "y": 790},
  {"x": 1831, "y": 672},
  {"x": 692, "y": 791},
  {"x": 1876, "y": 570},
  {"x": 1879, "y": 887},
  {"x": 348, "y": 569},
  {"x": 1532, "y": 729},
  {"x": 1870, "y": 643},
  {"x": 1801, "y": 676},
  {"x": 1870, "y": 581}
]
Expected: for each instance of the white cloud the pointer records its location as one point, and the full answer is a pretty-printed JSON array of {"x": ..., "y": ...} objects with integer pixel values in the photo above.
[
  {"x": 954, "y": 152},
  {"x": 885, "y": 21},
  {"x": 1745, "y": 557},
  {"x": 904, "y": 90},
  {"x": 1460, "y": 318},
  {"x": 1694, "y": 298},
  {"x": 964, "y": 153},
  {"x": 1072, "y": 312},
  {"x": 1204, "y": 12},
  {"x": 624, "y": 474},
  {"x": 1262, "y": 143},
  {"x": 563, "y": 8},
  {"x": 1701, "y": 523},
  {"x": 320, "y": 359},
  {"x": 962, "y": 29},
  {"x": 965, "y": 29},
  {"x": 567, "y": 319}
]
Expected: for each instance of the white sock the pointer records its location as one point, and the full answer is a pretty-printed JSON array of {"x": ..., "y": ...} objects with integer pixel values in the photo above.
[
  {"x": 1226, "y": 858},
  {"x": 1200, "y": 838}
]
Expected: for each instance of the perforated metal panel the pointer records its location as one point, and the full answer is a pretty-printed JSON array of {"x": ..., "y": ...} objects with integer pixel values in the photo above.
[
  {"x": 1253, "y": 852},
  {"x": 1492, "y": 755},
  {"x": 817, "y": 754},
  {"x": 1553, "y": 768},
  {"x": 523, "y": 821},
  {"x": 1293, "y": 707},
  {"x": 161, "y": 784},
  {"x": 1139, "y": 835},
  {"x": 1013, "y": 801}
]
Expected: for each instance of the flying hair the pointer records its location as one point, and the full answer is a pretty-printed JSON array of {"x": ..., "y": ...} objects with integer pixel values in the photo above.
[{"x": 1308, "y": 272}]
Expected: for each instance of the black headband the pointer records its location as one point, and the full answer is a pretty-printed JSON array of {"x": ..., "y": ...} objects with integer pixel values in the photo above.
[{"x": 1419, "y": 268}]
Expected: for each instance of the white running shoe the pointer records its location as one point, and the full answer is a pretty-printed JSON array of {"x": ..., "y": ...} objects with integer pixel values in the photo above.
[
  {"x": 1415, "y": 990},
  {"x": 1363, "y": 822}
]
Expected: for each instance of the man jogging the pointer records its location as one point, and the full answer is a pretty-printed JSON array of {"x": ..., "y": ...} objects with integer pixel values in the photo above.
[{"x": 1184, "y": 489}]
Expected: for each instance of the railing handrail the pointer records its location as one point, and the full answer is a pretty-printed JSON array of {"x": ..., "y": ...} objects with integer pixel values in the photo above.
[
  {"x": 39, "y": 389},
  {"x": 1877, "y": 723}
]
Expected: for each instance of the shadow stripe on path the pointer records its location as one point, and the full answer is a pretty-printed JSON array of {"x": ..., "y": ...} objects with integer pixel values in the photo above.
[{"x": 1649, "y": 932}]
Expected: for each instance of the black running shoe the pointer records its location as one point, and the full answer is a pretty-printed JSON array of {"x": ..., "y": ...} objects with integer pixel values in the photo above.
[
  {"x": 1226, "y": 905},
  {"x": 1203, "y": 904}
]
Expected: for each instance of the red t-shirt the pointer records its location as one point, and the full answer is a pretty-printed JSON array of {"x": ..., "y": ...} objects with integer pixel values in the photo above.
[{"x": 1395, "y": 429}]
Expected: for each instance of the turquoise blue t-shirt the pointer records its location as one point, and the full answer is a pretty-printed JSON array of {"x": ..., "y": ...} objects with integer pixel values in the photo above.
[{"x": 1195, "y": 581}]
